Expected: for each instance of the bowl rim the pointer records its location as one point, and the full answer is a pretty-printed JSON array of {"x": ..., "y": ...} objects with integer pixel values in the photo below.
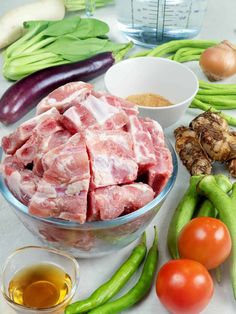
[
  {"x": 179, "y": 104},
  {"x": 12, "y": 200}
]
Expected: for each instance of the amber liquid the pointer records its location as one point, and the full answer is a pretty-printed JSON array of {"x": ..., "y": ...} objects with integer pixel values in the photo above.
[{"x": 40, "y": 286}]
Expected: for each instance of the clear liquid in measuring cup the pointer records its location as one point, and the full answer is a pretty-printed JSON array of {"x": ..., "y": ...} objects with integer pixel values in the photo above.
[{"x": 151, "y": 22}]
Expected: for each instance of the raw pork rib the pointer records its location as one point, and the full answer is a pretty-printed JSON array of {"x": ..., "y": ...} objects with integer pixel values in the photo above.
[
  {"x": 143, "y": 146},
  {"x": 159, "y": 174},
  {"x": 65, "y": 96},
  {"x": 21, "y": 182},
  {"x": 93, "y": 113},
  {"x": 16, "y": 139},
  {"x": 88, "y": 152},
  {"x": 124, "y": 104},
  {"x": 48, "y": 135},
  {"x": 112, "y": 158},
  {"x": 110, "y": 202},
  {"x": 40, "y": 136},
  {"x": 62, "y": 192}
]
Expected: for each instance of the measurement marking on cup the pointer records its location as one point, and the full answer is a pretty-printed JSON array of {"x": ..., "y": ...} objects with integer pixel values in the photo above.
[
  {"x": 163, "y": 24},
  {"x": 132, "y": 12},
  {"x": 158, "y": 3}
]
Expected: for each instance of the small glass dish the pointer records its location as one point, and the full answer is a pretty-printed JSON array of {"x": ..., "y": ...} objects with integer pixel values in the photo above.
[{"x": 35, "y": 255}]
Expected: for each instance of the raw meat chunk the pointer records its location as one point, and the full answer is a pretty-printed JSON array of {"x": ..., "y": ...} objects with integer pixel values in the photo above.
[
  {"x": 127, "y": 106},
  {"x": 38, "y": 141},
  {"x": 58, "y": 201},
  {"x": 143, "y": 146},
  {"x": 111, "y": 157},
  {"x": 110, "y": 202},
  {"x": 68, "y": 163},
  {"x": 155, "y": 130},
  {"x": 159, "y": 174},
  {"x": 93, "y": 113},
  {"x": 67, "y": 238},
  {"x": 65, "y": 96},
  {"x": 15, "y": 140},
  {"x": 46, "y": 144},
  {"x": 21, "y": 182},
  {"x": 62, "y": 192}
]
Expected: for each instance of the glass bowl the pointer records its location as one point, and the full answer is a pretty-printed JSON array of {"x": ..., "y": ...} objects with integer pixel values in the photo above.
[
  {"x": 96, "y": 238},
  {"x": 36, "y": 255}
]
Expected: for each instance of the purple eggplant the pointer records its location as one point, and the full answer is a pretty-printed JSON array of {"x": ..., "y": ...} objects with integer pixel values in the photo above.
[{"x": 25, "y": 94}]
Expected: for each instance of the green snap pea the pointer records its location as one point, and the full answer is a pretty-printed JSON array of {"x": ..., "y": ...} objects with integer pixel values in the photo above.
[
  {"x": 207, "y": 209},
  {"x": 226, "y": 207},
  {"x": 139, "y": 290},
  {"x": 114, "y": 285}
]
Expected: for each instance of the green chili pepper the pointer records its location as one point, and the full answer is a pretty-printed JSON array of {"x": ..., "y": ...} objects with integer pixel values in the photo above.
[
  {"x": 112, "y": 286},
  {"x": 139, "y": 290},
  {"x": 182, "y": 215}
]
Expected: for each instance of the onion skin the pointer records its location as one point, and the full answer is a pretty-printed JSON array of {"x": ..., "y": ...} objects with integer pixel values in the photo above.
[{"x": 219, "y": 62}]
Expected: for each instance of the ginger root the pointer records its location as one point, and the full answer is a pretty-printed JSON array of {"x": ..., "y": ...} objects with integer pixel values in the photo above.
[
  {"x": 215, "y": 137},
  {"x": 190, "y": 151},
  {"x": 207, "y": 139}
]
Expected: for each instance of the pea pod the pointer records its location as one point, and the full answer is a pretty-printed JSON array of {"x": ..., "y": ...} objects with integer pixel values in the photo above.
[
  {"x": 226, "y": 207},
  {"x": 182, "y": 215},
  {"x": 207, "y": 209},
  {"x": 139, "y": 290},
  {"x": 112, "y": 286}
]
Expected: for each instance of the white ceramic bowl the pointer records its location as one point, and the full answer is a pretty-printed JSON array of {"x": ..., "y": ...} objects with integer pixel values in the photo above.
[{"x": 165, "y": 77}]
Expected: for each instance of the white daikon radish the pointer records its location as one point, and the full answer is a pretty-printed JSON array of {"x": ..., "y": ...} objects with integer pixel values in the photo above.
[{"x": 11, "y": 23}]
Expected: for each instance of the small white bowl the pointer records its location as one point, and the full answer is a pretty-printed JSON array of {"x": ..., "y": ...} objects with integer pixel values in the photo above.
[{"x": 165, "y": 77}]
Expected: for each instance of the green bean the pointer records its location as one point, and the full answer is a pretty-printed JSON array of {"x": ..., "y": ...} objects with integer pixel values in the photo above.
[
  {"x": 182, "y": 215},
  {"x": 175, "y": 45},
  {"x": 141, "y": 54},
  {"x": 205, "y": 107},
  {"x": 139, "y": 290},
  {"x": 218, "y": 102},
  {"x": 114, "y": 284},
  {"x": 207, "y": 85},
  {"x": 183, "y": 52},
  {"x": 212, "y": 92},
  {"x": 189, "y": 58},
  {"x": 179, "y": 52}
]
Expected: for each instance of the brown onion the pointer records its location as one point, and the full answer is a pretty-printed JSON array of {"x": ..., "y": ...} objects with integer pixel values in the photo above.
[{"x": 219, "y": 62}]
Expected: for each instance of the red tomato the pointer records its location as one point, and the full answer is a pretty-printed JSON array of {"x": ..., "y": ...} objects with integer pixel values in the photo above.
[
  {"x": 184, "y": 286},
  {"x": 205, "y": 240}
]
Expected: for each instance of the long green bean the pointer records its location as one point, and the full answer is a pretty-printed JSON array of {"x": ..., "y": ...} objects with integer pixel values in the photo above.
[
  {"x": 218, "y": 102},
  {"x": 175, "y": 45},
  {"x": 212, "y": 92},
  {"x": 205, "y": 107},
  {"x": 189, "y": 58},
  {"x": 215, "y": 86}
]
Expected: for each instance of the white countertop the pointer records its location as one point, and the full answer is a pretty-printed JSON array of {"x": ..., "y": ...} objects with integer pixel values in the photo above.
[{"x": 219, "y": 24}]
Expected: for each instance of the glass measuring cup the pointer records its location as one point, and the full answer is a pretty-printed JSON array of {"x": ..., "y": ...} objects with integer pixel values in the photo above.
[{"x": 151, "y": 22}]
